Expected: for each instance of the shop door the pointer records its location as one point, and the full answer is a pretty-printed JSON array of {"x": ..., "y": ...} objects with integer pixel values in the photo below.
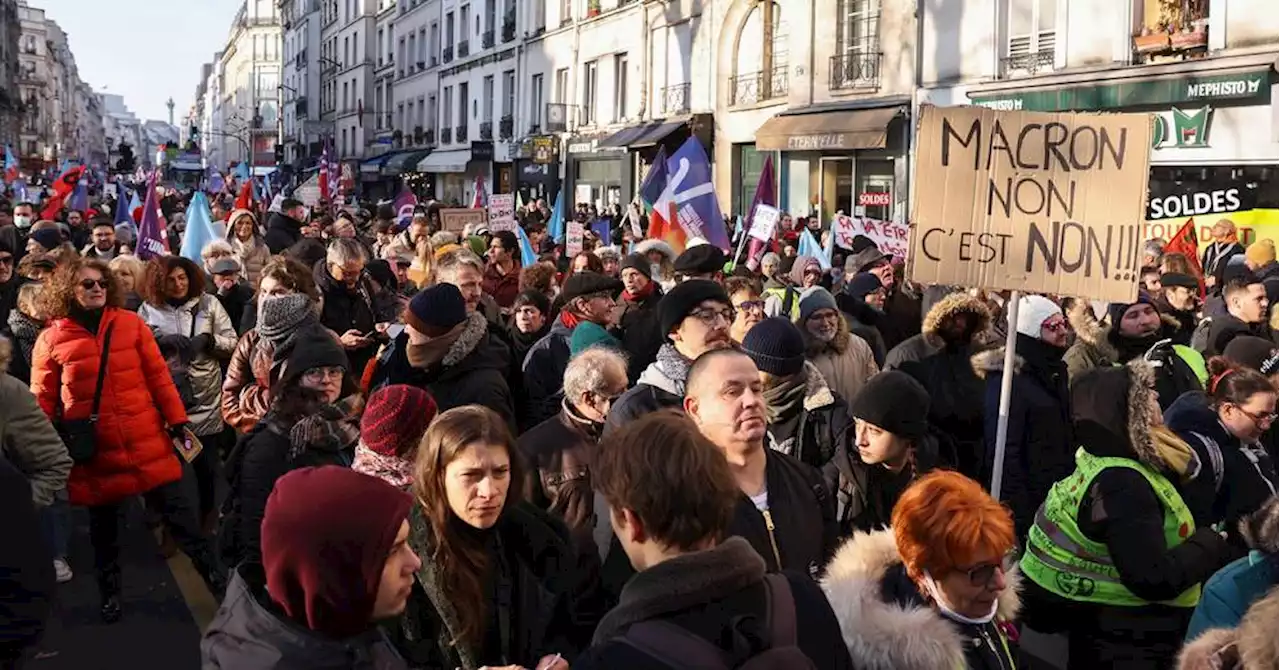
[
  {"x": 835, "y": 185},
  {"x": 875, "y": 195}
]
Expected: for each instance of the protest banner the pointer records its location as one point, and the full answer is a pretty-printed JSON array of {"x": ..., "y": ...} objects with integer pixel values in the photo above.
[
  {"x": 573, "y": 238},
  {"x": 764, "y": 222},
  {"x": 890, "y": 236},
  {"x": 502, "y": 212},
  {"x": 1037, "y": 202},
  {"x": 457, "y": 218}
]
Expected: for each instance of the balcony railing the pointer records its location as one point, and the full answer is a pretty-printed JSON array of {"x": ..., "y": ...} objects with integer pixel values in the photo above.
[
  {"x": 446, "y": 135},
  {"x": 855, "y": 71},
  {"x": 509, "y": 29},
  {"x": 486, "y": 130},
  {"x": 384, "y": 121},
  {"x": 675, "y": 99},
  {"x": 447, "y": 56},
  {"x": 1027, "y": 63},
  {"x": 486, "y": 40},
  {"x": 464, "y": 49},
  {"x": 749, "y": 89},
  {"x": 429, "y": 136},
  {"x": 460, "y": 134},
  {"x": 506, "y": 127}
]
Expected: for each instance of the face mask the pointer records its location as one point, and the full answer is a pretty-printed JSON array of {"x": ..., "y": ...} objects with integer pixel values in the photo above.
[
  {"x": 655, "y": 269},
  {"x": 22, "y": 221},
  {"x": 936, "y": 592}
]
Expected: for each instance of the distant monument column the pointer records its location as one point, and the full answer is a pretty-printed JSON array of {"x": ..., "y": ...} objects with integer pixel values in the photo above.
[{"x": 169, "y": 104}]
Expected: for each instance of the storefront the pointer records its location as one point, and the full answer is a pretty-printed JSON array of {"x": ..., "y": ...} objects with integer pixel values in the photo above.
[
  {"x": 1215, "y": 145},
  {"x": 849, "y": 158},
  {"x": 600, "y": 176},
  {"x": 456, "y": 171},
  {"x": 537, "y": 168}
]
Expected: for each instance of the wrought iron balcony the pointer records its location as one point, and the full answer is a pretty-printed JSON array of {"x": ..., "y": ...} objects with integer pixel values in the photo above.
[
  {"x": 460, "y": 134},
  {"x": 506, "y": 127},
  {"x": 1026, "y": 63},
  {"x": 855, "y": 70},
  {"x": 429, "y": 136},
  {"x": 486, "y": 40},
  {"x": 749, "y": 89},
  {"x": 486, "y": 130},
  {"x": 464, "y": 49},
  {"x": 509, "y": 29},
  {"x": 446, "y": 135},
  {"x": 447, "y": 55},
  {"x": 675, "y": 99}
]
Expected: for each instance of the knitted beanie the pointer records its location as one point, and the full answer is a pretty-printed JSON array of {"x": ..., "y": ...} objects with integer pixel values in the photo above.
[
  {"x": 1033, "y": 311},
  {"x": 776, "y": 346},
  {"x": 862, "y": 284},
  {"x": 588, "y": 334},
  {"x": 49, "y": 238},
  {"x": 281, "y": 316},
  {"x": 684, "y": 298},
  {"x": 1116, "y": 310},
  {"x": 813, "y": 299},
  {"x": 894, "y": 401},
  {"x": 637, "y": 262},
  {"x": 395, "y": 419},
  {"x": 436, "y": 310}
]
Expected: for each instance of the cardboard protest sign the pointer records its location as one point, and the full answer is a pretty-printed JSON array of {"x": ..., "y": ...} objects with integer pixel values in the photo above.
[
  {"x": 574, "y": 231},
  {"x": 502, "y": 212},
  {"x": 764, "y": 222},
  {"x": 1038, "y": 202},
  {"x": 457, "y": 218}
]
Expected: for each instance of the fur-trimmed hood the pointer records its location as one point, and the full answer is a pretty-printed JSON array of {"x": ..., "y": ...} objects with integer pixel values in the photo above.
[
  {"x": 950, "y": 307},
  {"x": 1091, "y": 333},
  {"x": 991, "y": 362},
  {"x": 817, "y": 393},
  {"x": 1261, "y": 530},
  {"x": 888, "y": 636},
  {"x": 656, "y": 245},
  {"x": 1251, "y": 646}
]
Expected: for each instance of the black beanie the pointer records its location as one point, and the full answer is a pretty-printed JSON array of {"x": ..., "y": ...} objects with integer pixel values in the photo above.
[
  {"x": 309, "y": 350},
  {"x": 776, "y": 346},
  {"x": 894, "y": 401},
  {"x": 684, "y": 298},
  {"x": 436, "y": 310},
  {"x": 1116, "y": 310},
  {"x": 637, "y": 262}
]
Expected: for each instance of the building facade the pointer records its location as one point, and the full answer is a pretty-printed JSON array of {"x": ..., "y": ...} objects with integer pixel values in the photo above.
[
  {"x": 301, "y": 91},
  {"x": 245, "y": 120},
  {"x": 407, "y": 86},
  {"x": 11, "y": 101}
]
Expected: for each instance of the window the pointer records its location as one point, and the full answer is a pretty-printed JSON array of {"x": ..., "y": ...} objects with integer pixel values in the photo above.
[
  {"x": 345, "y": 99},
  {"x": 490, "y": 14},
  {"x": 434, "y": 45},
  {"x": 431, "y": 111},
  {"x": 448, "y": 31},
  {"x": 343, "y": 151},
  {"x": 562, "y": 86},
  {"x": 355, "y": 58},
  {"x": 619, "y": 87},
  {"x": 508, "y": 93},
  {"x": 400, "y": 68},
  {"x": 464, "y": 22},
  {"x": 409, "y": 117},
  {"x": 447, "y": 109},
  {"x": 400, "y": 117},
  {"x": 422, "y": 112},
  {"x": 422, "y": 46},
  {"x": 464, "y": 97},
  {"x": 566, "y": 11},
  {"x": 590, "y": 78},
  {"x": 535, "y": 102},
  {"x": 488, "y": 99},
  {"x": 413, "y": 50},
  {"x": 1031, "y": 28},
  {"x": 346, "y": 50}
]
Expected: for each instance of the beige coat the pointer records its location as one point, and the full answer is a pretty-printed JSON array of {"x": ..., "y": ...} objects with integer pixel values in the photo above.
[
  {"x": 253, "y": 255},
  {"x": 29, "y": 441},
  {"x": 846, "y": 362}
]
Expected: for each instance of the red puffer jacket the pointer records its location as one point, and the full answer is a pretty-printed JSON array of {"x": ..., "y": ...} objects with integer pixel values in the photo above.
[{"x": 134, "y": 452}]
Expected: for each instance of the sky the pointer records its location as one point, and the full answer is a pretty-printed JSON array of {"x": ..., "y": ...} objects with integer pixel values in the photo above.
[{"x": 145, "y": 50}]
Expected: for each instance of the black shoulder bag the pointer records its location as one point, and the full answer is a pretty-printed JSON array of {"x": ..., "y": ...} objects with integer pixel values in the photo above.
[{"x": 80, "y": 434}]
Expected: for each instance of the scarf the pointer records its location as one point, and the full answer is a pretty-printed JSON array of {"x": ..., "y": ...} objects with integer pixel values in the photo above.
[
  {"x": 641, "y": 295},
  {"x": 330, "y": 429},
  {"x": 673, "y": 364},
  {"x": 1130, "y": 348},
  {"x": 393, "y": 470},
  {"x": 785, "y": 399},
  {"x": 426, "y": 355},
  {"x": 1172, "y": 450},
  {"x": 524, "y": 341},
  {"x": 280, "y": 320},
  {"x": 25, "y": 330},
  {"x": 569, "y": 319}
]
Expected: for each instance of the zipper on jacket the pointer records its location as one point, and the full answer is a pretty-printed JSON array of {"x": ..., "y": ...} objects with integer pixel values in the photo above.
[{"x": 773, "y": 542}]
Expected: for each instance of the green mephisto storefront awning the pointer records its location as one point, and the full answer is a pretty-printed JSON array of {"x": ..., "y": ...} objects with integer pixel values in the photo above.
[{"x": 1164, "y": 90}]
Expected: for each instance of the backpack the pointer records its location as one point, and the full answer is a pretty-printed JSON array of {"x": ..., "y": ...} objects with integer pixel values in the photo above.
[{"x": 680, "y": 648}]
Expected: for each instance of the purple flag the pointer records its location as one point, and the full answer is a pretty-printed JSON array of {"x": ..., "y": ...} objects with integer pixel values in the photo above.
[
  {"x": 152, "y": 239},
  {"x": 694, "y": 195},
  {"x": 765, "y": 195},
  {"x": 405, "y": 202}
]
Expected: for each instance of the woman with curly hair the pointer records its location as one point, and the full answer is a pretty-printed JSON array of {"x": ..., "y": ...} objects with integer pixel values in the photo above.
[
  {"x": 138, "y": 412},
  {"x": 195, "y": 336}
]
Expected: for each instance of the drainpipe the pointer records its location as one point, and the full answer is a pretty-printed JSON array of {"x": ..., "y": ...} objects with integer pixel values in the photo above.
[
  {"x": 647, "y": 62},
  {"x": 909, "y": 124}
]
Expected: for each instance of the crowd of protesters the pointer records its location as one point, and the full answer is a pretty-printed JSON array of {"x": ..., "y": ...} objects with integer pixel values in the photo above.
[{"x": 389, "y": 445}]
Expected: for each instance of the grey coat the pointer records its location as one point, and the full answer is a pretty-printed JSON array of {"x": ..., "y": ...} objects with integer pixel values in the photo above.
[
  {"x": 30, "y": 442},
  {"x": 206, "y": 372}
]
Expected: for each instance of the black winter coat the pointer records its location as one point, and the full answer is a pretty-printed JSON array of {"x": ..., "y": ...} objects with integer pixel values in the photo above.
[
  {"x": 543, "y": 368},
  {"x": 1222, "y": 329},
  {"x": 822, "y": 426},
  {"x": 864, "y": 321},
  {"x": 26, "y": 567},
  {"x": 865, "y": 494},
  {"x": 554, "y": 601},
  {"x": 235, "y": 301},
  {"x": 640, "y": 334},
  {"x": 282, "y": 232},
  {"x": 803, "y": 515},
  {"x": 357, "y": 309},
  {"x": 1039, "y": 449},
  {"x": 473, "y": 371}
]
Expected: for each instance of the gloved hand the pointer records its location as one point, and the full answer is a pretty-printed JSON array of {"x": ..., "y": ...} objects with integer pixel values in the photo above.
[
  {"x": 202, "y": 344},
  {"x": 172, "y": 344},
  {"x": 176, "y": 432}
]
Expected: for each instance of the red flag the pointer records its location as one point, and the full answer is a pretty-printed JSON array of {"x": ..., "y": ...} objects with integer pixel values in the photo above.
[
  {"x": 1184, "y": 242},
  {"x": 63, "y": 186},
  {"x": 245, "y": 199}
]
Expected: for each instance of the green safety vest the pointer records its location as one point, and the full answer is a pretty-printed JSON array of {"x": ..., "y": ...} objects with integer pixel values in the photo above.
[
  {"x": 1064, "y": 562},
  {"x": 783, "y": 294}
]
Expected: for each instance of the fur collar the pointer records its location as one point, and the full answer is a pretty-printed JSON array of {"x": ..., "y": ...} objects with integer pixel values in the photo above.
[
  {"x": 886, "y": 636},
  {"x": 813, "y": 347},
  {"x": 1260, "y": 529},
  {"x": 475, "y": 330},
  {"x": 1091, "y": 333},
  {"x": 991, "y": 362},
  {"x": 1251, "y": 645},
  {"x": 950, "y": 307},
  {"x": 817, "y": 393}
]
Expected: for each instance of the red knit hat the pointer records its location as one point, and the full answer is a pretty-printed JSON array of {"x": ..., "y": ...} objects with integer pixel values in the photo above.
[
  {"x": 326, "y": 535},
  {"x": 395, "y": 418}
]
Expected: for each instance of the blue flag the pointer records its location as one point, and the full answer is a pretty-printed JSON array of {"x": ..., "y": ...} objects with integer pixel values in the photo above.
[
  {"x": 242, "y": 171},
  {"x": 694, "y": 194},
  {"x": 122, "y": 204},
  {"x": 810, "y": 247},
  {"x": 655, "y": 180},
  {"x": 601, "y": 227},
  {"x": 20, "y": 190},
  {"x": 79, "y": 200},
  {"x": 528, "y": 257},
  {"x": 555, "y": 225},
  {"x": 199, "y": 228}
]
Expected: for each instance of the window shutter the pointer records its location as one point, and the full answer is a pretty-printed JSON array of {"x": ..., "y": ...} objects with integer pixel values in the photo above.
[
  {"x": 1046, "y": 42},
  {"x": 1019, "y": 45}
]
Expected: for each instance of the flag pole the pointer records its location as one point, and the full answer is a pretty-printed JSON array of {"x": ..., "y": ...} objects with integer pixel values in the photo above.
[
  {"x": 1006, "y": 390},
  {"x": 741, "y": 243}
]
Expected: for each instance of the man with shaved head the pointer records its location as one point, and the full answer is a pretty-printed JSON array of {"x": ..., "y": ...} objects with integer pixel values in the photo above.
[{"x": 783, "y": 509}]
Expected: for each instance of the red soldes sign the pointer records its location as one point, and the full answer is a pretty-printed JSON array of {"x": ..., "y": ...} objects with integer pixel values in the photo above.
[{"x": 875, "y": 199}]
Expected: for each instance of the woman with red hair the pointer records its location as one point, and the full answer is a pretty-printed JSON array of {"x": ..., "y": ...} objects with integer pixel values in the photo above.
[{"x": 935, "y": 591}]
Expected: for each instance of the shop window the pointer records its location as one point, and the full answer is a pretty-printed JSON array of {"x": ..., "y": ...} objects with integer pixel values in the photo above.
[
  {"x": 750, "y": 166},
  {"x": 1032, "y": 37},
  {"x": 760, "y": 66},
  {"x": 856, "y": 63}
]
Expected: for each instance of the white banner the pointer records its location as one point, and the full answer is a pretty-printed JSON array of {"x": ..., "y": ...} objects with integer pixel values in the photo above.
[
  {"x": 764, "y": 222},
  {"x": 573, "y": 238},
  {"x": 502, "y": 212}
]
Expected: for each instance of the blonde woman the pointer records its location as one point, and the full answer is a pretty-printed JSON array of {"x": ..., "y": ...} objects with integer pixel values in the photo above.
[
  {"x": 423, "y": 270},
  {"x": 128, "y": 271},
  {"x": 247, "y": 245}
]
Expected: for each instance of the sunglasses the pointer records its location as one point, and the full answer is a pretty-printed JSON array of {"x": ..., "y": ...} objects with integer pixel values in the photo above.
[
  {"x": 90, "y": 284},
  {"x": 6, "y": 260}
]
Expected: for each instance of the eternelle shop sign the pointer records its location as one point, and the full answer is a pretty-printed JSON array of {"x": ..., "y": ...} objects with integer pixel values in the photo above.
[{"x": 816, "y": 142}]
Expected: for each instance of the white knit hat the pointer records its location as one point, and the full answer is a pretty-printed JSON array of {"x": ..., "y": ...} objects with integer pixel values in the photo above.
[{"x": 1033, "y": 311}]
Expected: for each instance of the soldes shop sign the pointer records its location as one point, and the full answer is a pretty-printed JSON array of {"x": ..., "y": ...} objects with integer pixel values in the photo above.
[{"x": 1198, "y": 203}]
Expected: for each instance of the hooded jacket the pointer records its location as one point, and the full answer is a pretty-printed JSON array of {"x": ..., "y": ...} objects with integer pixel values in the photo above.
[
  {"x": 846, "y": 362},
  {"x": 1122, "y": 511},
  {"x": 250, "y": 633},
  {"x": 254, "y": 254},
  {"x": 543, "y": 369},
  {"x": 200, "y": 315},
  {"x": 656, "y": 389},
  {"x": 888, "y": 625},
  {"x": 472, "y": 372},
  {"x": 823, "y": 426},
  {"x": 1233, "y": 589},
  {"x": 283, "y": 232},
  {"x": 1039, "y": 449},
  {"x": 1250, "y": 646}
]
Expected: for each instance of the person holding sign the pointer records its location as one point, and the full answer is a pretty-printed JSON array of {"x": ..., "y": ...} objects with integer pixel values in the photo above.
[{"x": 502, "y": 272}]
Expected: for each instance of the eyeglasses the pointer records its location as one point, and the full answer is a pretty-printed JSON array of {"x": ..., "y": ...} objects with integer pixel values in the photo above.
[
  {"x": 1055, "y": 327},
  {"x": 982, "y": 574},
  {"x": 708, "y": 316},
  {"x": 1259, "y": 420},
  {"x": 750, "y": 306},
  {"x": 322, "y": 374},
  {"x": 90, "y": 284},
  {"x": 6, "y": 260}
]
